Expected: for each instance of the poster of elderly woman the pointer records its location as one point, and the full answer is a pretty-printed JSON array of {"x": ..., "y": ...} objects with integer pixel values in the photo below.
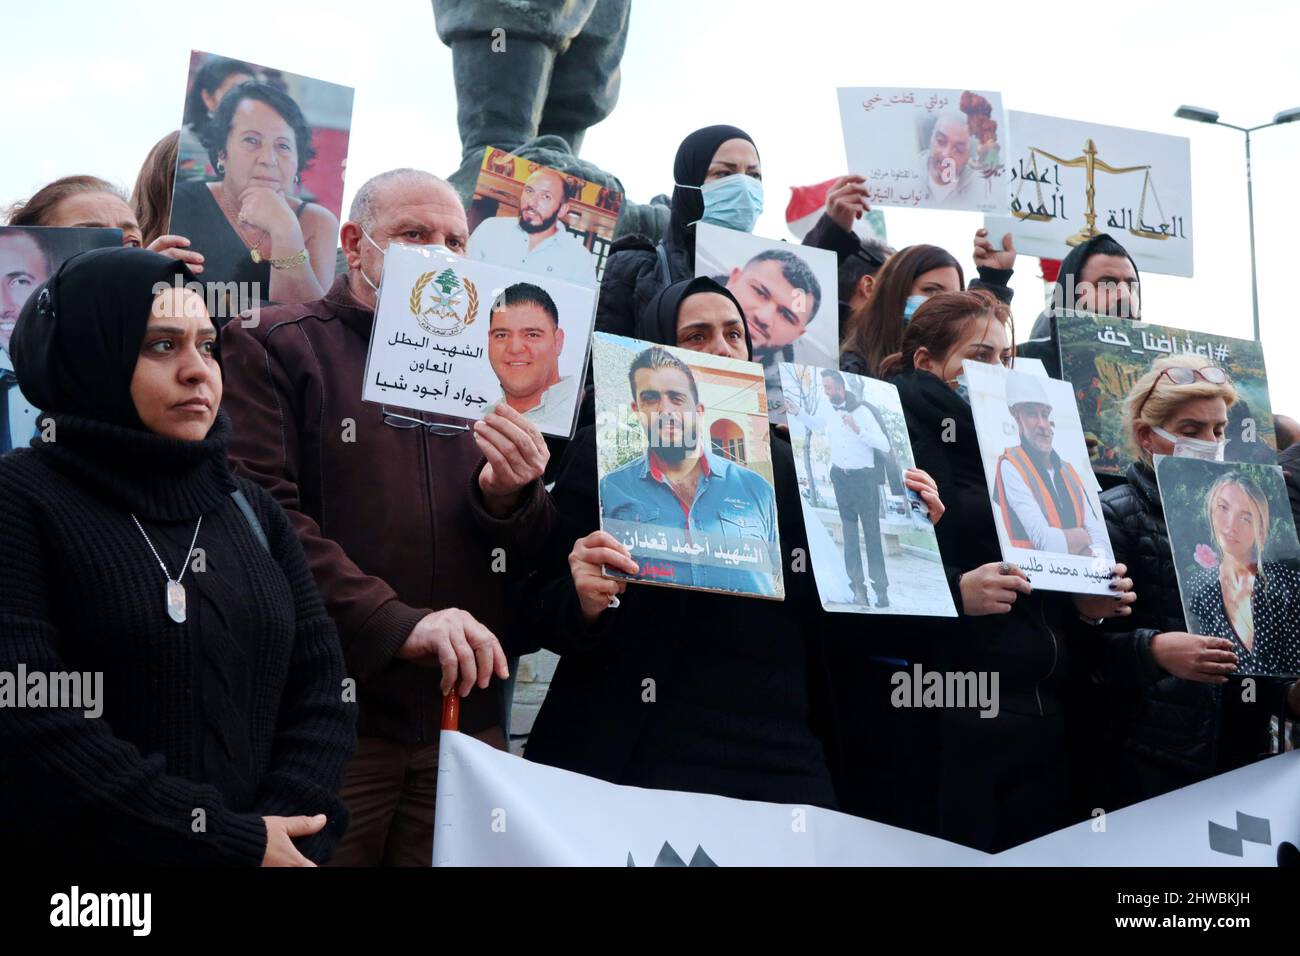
[
  {"x": 1237, "y": 558},
  {"x": 263, "y": 202}
]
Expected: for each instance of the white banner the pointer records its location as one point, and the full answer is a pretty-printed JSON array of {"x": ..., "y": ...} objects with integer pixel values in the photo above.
[{"x": 495, "y": 809}]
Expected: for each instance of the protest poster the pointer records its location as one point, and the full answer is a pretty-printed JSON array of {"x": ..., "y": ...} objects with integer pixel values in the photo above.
[
  {"x": 29, "y": 255},
  {"x": 259, "y": 181},
  {"x": 1103, "y": 358},
  {"x": 788, "y": 292},
  {"x": 537, "y": 219},
  {"x": 1233, "y": 540},
  {"x": 851, "y": 451},
  {"x": 685, "y": 465},
  {"x": 455, "y": 337},
  {"x": 1045, "y": 505},
  {"x": 1070, "y": 181},
  {"x": 935, "y": 149}
]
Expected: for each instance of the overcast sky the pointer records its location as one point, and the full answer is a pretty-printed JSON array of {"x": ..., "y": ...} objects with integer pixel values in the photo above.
[{"x": 89, "y": 88}]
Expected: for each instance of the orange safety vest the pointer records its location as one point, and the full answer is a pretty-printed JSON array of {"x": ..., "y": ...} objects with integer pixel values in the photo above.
[{"x": 1020, "y": 460}]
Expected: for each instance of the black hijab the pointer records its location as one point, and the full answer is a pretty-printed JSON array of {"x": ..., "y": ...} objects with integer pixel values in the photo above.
[
  {"x": 658, "y": 324},
  {"x": 78, "y": 337},
  {"x": 689, "y": 169}
]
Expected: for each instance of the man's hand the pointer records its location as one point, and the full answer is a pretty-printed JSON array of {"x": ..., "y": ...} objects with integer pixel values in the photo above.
[
  {"x": 1093, "y": 606},
  {"x": 846, "y": 201},
  {"x": 280, "y": 832},
  {"x": 467, "y": 652},
  {"x": 516, "y": 456},
  {"x": 176, "y": 247},
  {"x": 792, "y": 408},
  {"x": 989, "y": 257},
  {"x": 1208, "y": 660},
  {"x": 596, "y": 591},
  {"x": 992, "y": 588},
  {"x": 848, "y": 420},
  {"x": 1078, "y": 540}
]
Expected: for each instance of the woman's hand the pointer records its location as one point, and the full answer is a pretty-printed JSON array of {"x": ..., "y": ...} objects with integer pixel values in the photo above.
[
  {"x": 596, "y": 592},
  {"x": 846, "y": 200},
  {"x": 176, "y": 247},
  {"x": 991, "y": 258},
  {"x": 280, "y": 832},
  {"x": 268, "y": 210},
  {"x": 992, "y": 588},
  {"x": 1193, "y": 657},
  {"x": 921, "y": 482},
  {"x": 1094, "y": 606}
]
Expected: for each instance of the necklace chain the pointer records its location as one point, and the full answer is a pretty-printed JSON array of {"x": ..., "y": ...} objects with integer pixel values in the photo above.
[{"x": 184, "y": 563}]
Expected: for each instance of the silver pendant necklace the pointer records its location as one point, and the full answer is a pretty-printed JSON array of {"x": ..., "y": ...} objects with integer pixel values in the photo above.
[{"x": 175, "y": 594}]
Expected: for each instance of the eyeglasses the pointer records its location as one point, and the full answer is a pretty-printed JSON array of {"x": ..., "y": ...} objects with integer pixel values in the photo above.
[
  {"x": 1184, "y": 376},
  {"x": 394, "y": 420}
]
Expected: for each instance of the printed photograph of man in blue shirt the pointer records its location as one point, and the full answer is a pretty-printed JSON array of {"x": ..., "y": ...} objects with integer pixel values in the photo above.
[{"x": 689, "y": 515}]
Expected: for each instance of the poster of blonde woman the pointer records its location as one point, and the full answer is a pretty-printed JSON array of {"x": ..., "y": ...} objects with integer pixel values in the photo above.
[{"x": 1238, "y": 561}]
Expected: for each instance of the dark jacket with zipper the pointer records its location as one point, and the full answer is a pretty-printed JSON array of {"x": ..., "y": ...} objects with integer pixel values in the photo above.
[
  {"x": 1156, "y": 732},
  {"x": 391, "y": 519},
  {"x": 1002, "y": 780}
]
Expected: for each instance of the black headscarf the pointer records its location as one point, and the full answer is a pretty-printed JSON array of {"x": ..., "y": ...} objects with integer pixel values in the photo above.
[
  {"x": 658, "y": 324},
  {"x": 689, "y": 169},
  {"x": 78, "y": 337}
]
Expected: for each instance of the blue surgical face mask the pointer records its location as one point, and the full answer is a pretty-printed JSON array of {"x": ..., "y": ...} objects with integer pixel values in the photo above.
[
  {"x": 913, "y": 303},
  {"x": 733, "y": 202}
]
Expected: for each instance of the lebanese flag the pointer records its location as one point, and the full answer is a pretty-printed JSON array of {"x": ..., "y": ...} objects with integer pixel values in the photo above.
[{"x": 806, "y": 205}]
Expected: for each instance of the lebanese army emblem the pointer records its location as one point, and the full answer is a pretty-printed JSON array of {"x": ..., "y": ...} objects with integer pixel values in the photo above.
[{"x": 452, "y": 302}]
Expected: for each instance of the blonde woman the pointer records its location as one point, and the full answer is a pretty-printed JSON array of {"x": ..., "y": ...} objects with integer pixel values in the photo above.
[
  {"x": 1168, "y": 712},
  {"x": 1239, "y": 595}
]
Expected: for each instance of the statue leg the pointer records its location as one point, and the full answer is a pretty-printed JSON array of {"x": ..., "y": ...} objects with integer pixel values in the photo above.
[{"x": 585, "y": 79}]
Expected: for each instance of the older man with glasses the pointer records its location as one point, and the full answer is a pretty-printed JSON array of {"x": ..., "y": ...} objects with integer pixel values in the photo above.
[{"x": 410, "y": 523}]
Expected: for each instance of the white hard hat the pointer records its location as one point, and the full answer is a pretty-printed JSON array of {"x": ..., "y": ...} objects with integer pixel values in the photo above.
[{"x": 1023, "y": 387}]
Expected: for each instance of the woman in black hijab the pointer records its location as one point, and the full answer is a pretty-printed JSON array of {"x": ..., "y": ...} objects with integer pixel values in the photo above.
[
  {"x": 738, "y": 683},
  {"x": 636, "y": 269},
  {"x": 211, "y": 725}
]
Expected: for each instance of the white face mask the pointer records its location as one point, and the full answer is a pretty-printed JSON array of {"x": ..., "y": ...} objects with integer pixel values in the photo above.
[
  {"x": 438, "y": 247},
  {"x": 1185, "y": 447}
]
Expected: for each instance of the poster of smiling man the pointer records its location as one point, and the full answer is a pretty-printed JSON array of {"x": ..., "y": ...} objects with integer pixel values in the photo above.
[
  {"x": 457, "y": 337},
  {"x": 930, "y": 149}
]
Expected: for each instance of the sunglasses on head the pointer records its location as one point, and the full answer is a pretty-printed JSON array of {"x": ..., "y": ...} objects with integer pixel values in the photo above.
[{"x": 1180, "y": 375}]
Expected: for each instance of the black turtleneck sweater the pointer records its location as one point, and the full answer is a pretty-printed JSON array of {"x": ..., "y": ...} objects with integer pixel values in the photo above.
[{"x": 239, "y": 712}]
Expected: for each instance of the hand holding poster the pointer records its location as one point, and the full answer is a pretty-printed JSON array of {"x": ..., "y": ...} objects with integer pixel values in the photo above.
[
  {"x": 1044, "y": 498},
  {"x": 789, "y": 294},
  {"x": 531, "y": 217},
  {"x": 1235, "y": 551},
  {"x": 259, "y": 181},
  {"x": 851, "y": 452},
  {"x": 685, "y": 464},
  {"x": 29, "y": 255},
  {"x": 456, "y": 337},
  {"x": 1104, "y": 359},
  {"x": 938, "y": 149},
  {"x": 1071, "y": 181}
]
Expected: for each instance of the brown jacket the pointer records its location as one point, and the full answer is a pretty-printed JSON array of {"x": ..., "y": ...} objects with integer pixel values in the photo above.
[{"x": 392, "y": 520}]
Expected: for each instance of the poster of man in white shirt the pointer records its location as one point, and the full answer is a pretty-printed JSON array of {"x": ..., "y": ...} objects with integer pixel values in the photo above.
[
  {"x": 1043, "y": 492},
  {"x": 524, "y": 345},
  {"x": 536, "y": 219}
]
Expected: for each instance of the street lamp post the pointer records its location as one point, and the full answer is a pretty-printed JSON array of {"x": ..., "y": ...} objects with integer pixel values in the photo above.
[{"x": 1200, "y": 115}]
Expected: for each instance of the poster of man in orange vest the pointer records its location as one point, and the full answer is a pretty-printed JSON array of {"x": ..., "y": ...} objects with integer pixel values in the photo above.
[{"x": 1042, "y": 500}]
